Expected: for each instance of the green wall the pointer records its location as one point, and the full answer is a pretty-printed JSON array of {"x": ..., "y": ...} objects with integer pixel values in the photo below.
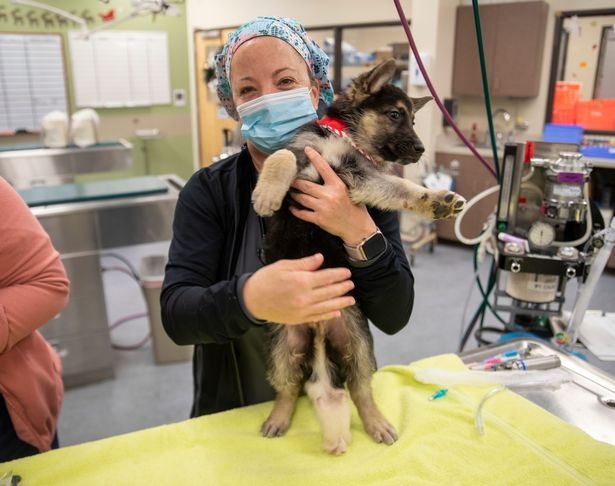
[{"x": 172, "y": 153}]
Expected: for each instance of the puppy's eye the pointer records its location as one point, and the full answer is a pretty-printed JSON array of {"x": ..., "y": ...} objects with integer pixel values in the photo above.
[{"x": 395, "y": 115}]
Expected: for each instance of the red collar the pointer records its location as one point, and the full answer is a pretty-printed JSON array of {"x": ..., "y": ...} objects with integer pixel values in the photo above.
[
  {"x": 336, "y": 123},
  {"x": 338, "y": 127}
]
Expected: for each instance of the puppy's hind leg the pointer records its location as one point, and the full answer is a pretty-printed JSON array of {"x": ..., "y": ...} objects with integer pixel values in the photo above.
[
  {"x": 360, "y": 373},
  {"x": 279, "y": 419},
  {"x": 278, "y": 172},
  {"x": 288, "y": 347},
  {"x": 373, "y": 421}
]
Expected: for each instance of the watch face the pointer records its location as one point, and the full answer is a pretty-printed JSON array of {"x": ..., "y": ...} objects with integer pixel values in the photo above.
[
  {"x": 374, "y": 246},
  {"x": 541, "y": 234}
]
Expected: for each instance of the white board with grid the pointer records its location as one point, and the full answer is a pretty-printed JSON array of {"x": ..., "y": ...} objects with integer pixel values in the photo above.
[
  {"x": 120, "y": 69},
  {"x": 32, "y": 80}
]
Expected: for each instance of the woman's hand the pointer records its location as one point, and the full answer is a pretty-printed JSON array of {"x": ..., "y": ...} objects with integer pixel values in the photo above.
[
  {"x": 329, "y": 205},
  {"x": 296, "y": 291}
]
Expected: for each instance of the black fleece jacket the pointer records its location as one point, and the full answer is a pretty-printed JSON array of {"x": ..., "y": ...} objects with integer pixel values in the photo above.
[{"x": 199, "y": 300}]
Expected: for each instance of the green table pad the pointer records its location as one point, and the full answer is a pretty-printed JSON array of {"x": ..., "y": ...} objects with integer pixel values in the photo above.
[{"x": 93, "y": 191}]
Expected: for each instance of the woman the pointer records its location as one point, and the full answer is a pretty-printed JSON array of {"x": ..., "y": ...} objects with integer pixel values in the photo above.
[
  {"x": 33, "y": 289},
  {"x": 217, "y": 294}
]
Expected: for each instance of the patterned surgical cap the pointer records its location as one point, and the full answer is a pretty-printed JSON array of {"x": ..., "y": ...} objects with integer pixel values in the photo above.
[{"x": 286, "y": 29}]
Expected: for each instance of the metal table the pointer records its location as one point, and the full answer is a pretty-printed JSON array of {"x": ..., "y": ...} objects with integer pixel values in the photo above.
[
  {"x": 31, "y": 165},
  {"x": 80, "y": 231},
  {"x": 588, "y": 401}
]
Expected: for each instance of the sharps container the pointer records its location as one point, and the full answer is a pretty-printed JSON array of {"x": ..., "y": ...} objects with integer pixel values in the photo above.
[{"x": 164, "y": 349}]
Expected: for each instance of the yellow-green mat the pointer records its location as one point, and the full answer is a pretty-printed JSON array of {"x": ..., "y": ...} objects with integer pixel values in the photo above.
[{"x": 438, "y": 443}]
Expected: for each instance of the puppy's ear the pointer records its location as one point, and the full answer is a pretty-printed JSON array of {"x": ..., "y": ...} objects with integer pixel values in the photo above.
[
  {"x": 379, "y": 76},
  {"x": 418, "y": 103},
  {"x": 372, "y": 81}
]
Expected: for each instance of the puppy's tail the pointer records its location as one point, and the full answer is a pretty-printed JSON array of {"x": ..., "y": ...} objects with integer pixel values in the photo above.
[{"x": 332, "y": 404}]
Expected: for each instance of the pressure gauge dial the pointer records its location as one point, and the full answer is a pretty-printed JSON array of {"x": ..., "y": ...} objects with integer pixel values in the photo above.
[{"x": 541, "y": 234}]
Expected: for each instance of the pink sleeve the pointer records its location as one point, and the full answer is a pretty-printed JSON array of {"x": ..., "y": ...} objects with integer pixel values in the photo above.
[{"x": 33, "y": 282}]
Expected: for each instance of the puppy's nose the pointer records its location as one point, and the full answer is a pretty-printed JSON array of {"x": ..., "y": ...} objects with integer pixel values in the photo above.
[{"x": 418, "y": 147}]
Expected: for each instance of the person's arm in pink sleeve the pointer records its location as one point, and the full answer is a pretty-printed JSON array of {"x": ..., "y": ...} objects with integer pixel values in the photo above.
[{"x": 33, "y": 282}]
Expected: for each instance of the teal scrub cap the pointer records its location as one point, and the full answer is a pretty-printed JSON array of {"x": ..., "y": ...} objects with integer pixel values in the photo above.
[{"x": 286, "y": 29}]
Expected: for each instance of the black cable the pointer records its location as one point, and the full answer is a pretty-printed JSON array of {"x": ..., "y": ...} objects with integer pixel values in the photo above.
[
  {"x": 126, "y": 262},
  {"x": 478, "y": 334},
  {"x": 484, "y": 304}
]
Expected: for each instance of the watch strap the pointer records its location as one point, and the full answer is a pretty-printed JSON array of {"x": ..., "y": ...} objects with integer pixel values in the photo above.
[{"x": 358, "y": 252}]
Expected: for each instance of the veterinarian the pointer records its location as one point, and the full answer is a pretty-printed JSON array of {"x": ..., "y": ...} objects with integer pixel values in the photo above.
[
  {"x": 33, "y": 289},
  {"x": 217, "y": 293}
]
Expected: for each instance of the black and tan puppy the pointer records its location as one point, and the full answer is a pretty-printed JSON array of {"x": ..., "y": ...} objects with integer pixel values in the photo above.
[{"x": 325, "y": 356}]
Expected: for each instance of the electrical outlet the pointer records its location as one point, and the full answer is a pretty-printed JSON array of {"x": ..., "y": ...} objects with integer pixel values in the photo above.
[
  {"x": 179, "y": 97},
  {"x": 416, "y": 77}
]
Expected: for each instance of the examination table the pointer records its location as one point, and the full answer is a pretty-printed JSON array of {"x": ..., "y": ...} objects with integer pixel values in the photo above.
[{"x": 438, "y": 443}]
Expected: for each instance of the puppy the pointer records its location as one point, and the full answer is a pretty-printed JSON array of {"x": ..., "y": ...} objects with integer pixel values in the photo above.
[{"x": 377, "y": 120}]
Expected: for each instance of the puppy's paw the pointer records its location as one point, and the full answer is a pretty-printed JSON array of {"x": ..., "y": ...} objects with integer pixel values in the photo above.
[
  {"x": 267, "y": 198},
  {"x": 275, "y": 426},
  {"x": 381, "y": 430},
  {"x": 446, "y": 204}
]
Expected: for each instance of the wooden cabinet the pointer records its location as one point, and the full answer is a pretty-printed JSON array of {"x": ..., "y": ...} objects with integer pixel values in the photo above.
[
  {"x": 472, "y": 179},
  {"x": 513, "y": 40}
]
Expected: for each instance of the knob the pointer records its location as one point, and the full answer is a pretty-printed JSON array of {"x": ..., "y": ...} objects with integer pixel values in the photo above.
[
  {"x": 515, "y": 267},
  {"x": 571, "y": 272}
]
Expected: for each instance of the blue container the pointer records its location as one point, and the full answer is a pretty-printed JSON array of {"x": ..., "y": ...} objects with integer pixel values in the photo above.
[
  {"x": 554, "y": 132},
  {"x": 599, "y": 152}
]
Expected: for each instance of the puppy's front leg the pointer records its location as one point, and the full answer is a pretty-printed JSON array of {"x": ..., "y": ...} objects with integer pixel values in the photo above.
[
  {"x": 387, "y": 192},
  {"x": 278, "y": 172}
]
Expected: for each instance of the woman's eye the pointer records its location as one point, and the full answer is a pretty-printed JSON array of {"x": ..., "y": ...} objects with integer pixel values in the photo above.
[
  {"x": 286, "y": 81},
  {"x": 395, "y": 115},
  {"x": 245, "y": 90}
]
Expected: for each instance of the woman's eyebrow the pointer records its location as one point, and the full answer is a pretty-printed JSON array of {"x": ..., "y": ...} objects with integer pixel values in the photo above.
[{"x": 285, "y": 68}]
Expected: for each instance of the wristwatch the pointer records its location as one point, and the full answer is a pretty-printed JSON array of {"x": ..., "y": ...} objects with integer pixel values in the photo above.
[{"x": 369, "y": 248}]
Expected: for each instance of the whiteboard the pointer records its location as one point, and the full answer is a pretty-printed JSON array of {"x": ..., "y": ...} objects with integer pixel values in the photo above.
[
  {"x": 32, "y": 81},
  {"x": 120, "y": 69}
]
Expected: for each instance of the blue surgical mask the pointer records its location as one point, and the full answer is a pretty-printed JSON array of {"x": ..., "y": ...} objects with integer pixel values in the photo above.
[{"x": 270, "y": 121}]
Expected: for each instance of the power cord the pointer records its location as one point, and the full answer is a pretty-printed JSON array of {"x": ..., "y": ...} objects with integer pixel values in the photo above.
[{"x": 131, "y": 272}]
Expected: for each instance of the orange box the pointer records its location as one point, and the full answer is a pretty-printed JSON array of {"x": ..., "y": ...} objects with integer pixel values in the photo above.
[
  {"x": 565, "y": 98},
  {"x": 566, "y": 95},
  {"x": 564, "y": 116},
  {"x": 596, "y": 114}
]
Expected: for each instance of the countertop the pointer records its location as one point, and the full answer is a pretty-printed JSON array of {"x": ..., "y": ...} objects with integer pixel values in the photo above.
[{"x": 448, "y": 145}]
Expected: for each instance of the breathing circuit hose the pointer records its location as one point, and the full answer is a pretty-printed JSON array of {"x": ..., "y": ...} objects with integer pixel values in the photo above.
[
  {"x": 445, "y": 113},
  {"x": 483, "y": 71}
]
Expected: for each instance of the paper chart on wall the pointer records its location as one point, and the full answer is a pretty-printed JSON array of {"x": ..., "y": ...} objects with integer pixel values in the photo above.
[
  {"x": 120, "y": 69},
  {"x": 32, "y": 81}
]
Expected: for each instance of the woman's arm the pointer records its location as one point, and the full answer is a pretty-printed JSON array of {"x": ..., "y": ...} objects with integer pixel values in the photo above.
[
  {"x": 33, "y": 282},
  {"x": 384, "y": 289},
  {"x": 197, "y": 305}
]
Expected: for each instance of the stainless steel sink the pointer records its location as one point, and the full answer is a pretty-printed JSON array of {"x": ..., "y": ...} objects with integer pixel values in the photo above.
[{"x": 588, "y": 401}]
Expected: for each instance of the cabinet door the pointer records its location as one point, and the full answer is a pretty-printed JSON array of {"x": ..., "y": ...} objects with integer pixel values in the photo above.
[
  {"x": 519, "y": 47},
  {"x": 473, "y": 178},
  {"x": 466, "y": 65}
]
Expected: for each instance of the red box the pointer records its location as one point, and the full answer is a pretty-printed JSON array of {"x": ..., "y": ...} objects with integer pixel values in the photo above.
[
  {"x": 596, "y": 114},
  {"x": 566, "y": 94},
  {"x": 564, "y": 116},
  {"x": 565, "y": 100}
]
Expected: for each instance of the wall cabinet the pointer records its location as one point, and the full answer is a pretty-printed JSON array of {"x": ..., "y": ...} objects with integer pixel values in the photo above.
[{"x": 513, "y": 40}]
